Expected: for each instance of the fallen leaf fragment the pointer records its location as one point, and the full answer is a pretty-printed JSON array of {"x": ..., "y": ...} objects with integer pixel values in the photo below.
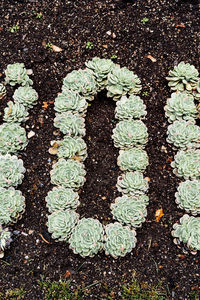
[
  {"x": 56, "y": 48},
  {"x": 148, "y": 179},
  {"x": 53, "y": 151},
  {"x": 180, "y": 26},
  {"x": 45, "y": 105},
  {"x": 159, "y": 214},
  {"x": 43, "y": 238},
  {"x": 151, "y": 58},
  {"x": 105, "y": 46},
  {"x": 67, "y": 274}
]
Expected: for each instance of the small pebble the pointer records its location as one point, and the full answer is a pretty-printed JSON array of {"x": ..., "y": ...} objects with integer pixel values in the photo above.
[{"x": 31, "y": 134}]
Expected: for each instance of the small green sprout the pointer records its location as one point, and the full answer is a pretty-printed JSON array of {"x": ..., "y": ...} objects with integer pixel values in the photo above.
[
  {"x": 49, "y": 46},
  {"x": 145, "y": 94},
  {"x": 113, "y": 57},
  {"x": 89, "y": 45},
  {"x": 144, "y": 20},
  {"x": 39, "y": 15},
  {"x": 14, "y": 28}
]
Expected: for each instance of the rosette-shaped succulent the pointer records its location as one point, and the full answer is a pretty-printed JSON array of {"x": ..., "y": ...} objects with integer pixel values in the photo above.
[
  {"x": 15, "y": 113},
  {"x": 187, "y": 164},
  {"x": 130, "y": 133},
  {"x": 2, "y": 91},
  {"x": 68, "y": 173},
  {"x": 26, "y": 95},
  {"x": 183, "y": 77},
  {"x": 129, "y": 211},
  {"x": 196, "y": 92},
  {"x": 130, "y": 108},
  {"x": 188, "y": 231},
  {"x": 101, "y": 67},
  {"x": 87, "y": 237},
  {"x": 61, "y": 198},
  {"x": 5, "y": 240},
  {"x": 17, "y": 74},
  {"x": 134, "y": 159},
  {"x": 132, "y": 183},
  {"x": 184, "y": 134},
  {"x": 119, "y": 240},
  {"x": 70, "y": 124},
  {"x": 180, "y": 106},
  {"x": 188, "y": 196},
  {"x": 70, "y": 101},
  {"x": 121, "y": 82},
  {"x": 60, "y": 224},
  {"x": 81, "y": 81},
  {"x": 72, "y": 147},
  {"x": 12, "y": 205},
  {"x": 11, "y": 170},
  {"x": 12, "y": 138}
]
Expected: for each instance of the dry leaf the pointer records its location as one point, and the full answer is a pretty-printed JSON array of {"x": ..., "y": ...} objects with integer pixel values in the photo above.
[
  {"x": 105, "y": 46},
  {"x": 159, "y": 214},
  {"x": 151, "y": 58},
  {"x": 148, "y": 179},
  {"x": 45, "y": 105},
  {"x": 180, "y": 26},
  {"x": 67, "y": 274},
  {"x": 56, "y": 48},
  {"x": 53, "y": 151}
]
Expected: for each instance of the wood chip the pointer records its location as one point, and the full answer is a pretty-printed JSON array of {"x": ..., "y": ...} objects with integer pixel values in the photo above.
[
  {"x": 56, "y": 48},
  {"x": 151, "y": 58}
]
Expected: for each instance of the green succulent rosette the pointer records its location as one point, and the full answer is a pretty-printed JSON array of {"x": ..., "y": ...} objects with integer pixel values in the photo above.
[
  {"x": 121, "y": 82},
  {"x": 119, "y": 240},
  {"x": 5, "y": 240},
  {"x": 81, "y": 81},
  {"x": 130, "y": 133},
  {"x": 72, "y": 147},
  {"x": 183, "y": 134},
  {"x": 26, "y": 95},
  {"x": 183, "y": 77},
  {"x": 129, "y": 211},
  {"x": 60, "y": 224},
  {"x": 130, "y": 108},
  {"x": 196, "y": 91},
  {"x": 11, "y": 170},
  {"x": 12, "y": 205},
  {"x": 12, "y": 138},
  {"x": 180, "y": 106},
  {"x": 61, "y": 198},
  {"x": 87, "y": 237},
  {"x": 100, "y": 67},
  {"x": 132, "y": 183},
  {"x": 2, "y": 91},
  {"x": 68, "y": 173},
  {"x": 70, "y": 101},
  {"x": 134, "y": 159},
  {"x": 187, "y": 164},
  {"x": 188, "y": 232},
  {"x": 188, "y": 196},
  {"x": 17, "y": 74},
  {"x": 15, "y": 113},
  {"x": 70, "y": 124}
]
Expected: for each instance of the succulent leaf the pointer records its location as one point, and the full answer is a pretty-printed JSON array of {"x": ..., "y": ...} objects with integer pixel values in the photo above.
[
  {"x": 196, "y": 91},
  {"x": 68, "y": 173},
  {"x": 72, "y": 147},
  {"x": 130, "y": 133},
  {"x": 26, "y": 95},
  {"x": 132, "y": 183},
  {"x": 15, "y": 113},
  {"x": 134, "y": 159},
  {"x": 119, "y": 240},
  {"x": 11, "y": 170},
  {"x": 70, "y": 124},
  {"x": 5, "y": 240},
  {"x": 130, "y": 108},
  {"x": 87, "y": 237},
  {"x": 17, "y": 74}
]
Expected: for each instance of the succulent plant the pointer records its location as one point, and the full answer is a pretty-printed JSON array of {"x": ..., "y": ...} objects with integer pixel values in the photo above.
[
  {"x": 134, "y": 159},
  {"x": 87, "y": 237},
  {"x": 72, "y": 147},
  {"x": 12, "y": 138},
  {"x": 129, "y": 211},
  {"x": 130, "y": 133},
  {"x": 196, "y": 91},
  {"x": 61, "y": 198},
  {"x": 60, "y": 224},
  {"x": 70, "y": 124},
  {"x": 5, "y": 240},
  {"x": 101, "y": 67},
  {"x": 187, "y": 164},
  {"x": 11, "y": 170},
  {"x": 2, "y": 91},
  {"x": 70, "y": 101},
  {"x": 130, "y": 108},
  {"x": 132, "y": 183},
  {"x": 26, "y": 95},
  {"x": 188, "y": 196},
  {"x": 180, "y": 106},
  {"x": 119, "y": 240},
  {"x": 68, "y": 173},
  {"x": 188, "y": 231},
  {"x": 17, "y": 74},
  {"x": 121, "y": 82},
  {"x": 184, "y": 134},
  {"x": 15, "y": 112},
  {"x": 183, "y": 77},
  {"x": 12, "y": 205},
  {"x": 81, "y": 81}
]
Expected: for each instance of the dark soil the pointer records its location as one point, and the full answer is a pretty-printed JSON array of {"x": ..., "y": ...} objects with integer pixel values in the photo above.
[{"x": 170, "y": 36}]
